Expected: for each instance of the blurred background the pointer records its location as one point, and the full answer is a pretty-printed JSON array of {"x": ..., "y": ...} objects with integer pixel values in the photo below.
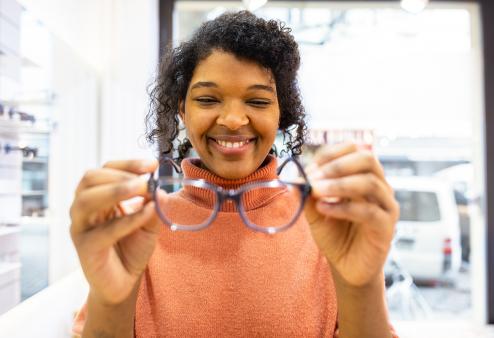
[{"x": 408, "y": 79}]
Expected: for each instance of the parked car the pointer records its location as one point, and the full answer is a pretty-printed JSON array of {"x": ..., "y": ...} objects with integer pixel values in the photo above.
[{"x": 427, "y": 239}]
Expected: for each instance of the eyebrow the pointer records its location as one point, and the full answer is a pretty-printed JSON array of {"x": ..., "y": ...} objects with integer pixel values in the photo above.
[
  {"x": 203, "y": 84},
  {"x": 262, "y": 87},
  {"x": 209, "y": 84}
]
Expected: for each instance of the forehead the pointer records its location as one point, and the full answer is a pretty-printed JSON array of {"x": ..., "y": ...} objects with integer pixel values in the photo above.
[{"x": 223, "y": 67}]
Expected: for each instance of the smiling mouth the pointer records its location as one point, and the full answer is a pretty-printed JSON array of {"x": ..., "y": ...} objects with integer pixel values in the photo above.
[{"x": 233, "y": 143}]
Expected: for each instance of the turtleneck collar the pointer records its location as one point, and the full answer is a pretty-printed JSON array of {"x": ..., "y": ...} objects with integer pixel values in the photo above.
[{"x": 192, "y": 169}]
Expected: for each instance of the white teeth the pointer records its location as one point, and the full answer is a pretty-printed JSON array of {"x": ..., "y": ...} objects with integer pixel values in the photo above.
[{"x": 231, "y": 144}]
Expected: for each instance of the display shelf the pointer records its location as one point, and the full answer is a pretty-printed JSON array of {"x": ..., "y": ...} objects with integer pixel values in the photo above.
[
  {"x": 34, "y": 193},
  {"x": 10, "y": 193},
  {"x": 10, "y": 221},
  {"x": 29, "y": 220},
  {"x": 14, "y": 128},
  {"x": 7, "y": 230},
  {"x": 36, "y": 160},
  {"x": 35, "y": 98},
  {"x": 9, "y": 286},
  {"x": 9, "y": 127},
  {"x": 34, "y": 130},
  {"x": 9, "y": 187},
  {"x": 8, "y": 266}
]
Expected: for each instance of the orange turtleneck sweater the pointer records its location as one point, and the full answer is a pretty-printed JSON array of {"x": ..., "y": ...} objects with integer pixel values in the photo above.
[{"x": 229, "y": 281}]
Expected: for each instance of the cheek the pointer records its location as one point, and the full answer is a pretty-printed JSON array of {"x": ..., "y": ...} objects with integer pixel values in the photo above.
[
  {"x": 267, "y": 128},
  {"x": 269, "y": 125},
  {"x": 196, "y": 125}
]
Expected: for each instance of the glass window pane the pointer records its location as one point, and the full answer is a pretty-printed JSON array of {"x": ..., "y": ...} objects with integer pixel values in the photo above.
[{"x": 418, "y": 206}]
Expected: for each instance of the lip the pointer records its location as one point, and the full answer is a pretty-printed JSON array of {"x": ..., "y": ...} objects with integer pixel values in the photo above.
[{"x": 231, "y": 138}]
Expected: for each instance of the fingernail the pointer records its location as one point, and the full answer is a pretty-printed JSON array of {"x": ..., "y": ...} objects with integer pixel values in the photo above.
[
  {"x": 331, "y": 200},
  {"x": 146, "y": 164},
  {"x": 138, "y": 181},
  {"x": 323, "y": 206},
  {"x": 315, "y": 174}
]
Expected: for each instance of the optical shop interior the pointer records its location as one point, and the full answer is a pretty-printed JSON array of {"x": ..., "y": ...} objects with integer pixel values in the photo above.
[{"x": 405, "y": 87}]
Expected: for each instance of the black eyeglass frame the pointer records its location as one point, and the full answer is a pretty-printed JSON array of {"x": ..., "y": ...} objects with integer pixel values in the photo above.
[{"x": 223, "y": 195}]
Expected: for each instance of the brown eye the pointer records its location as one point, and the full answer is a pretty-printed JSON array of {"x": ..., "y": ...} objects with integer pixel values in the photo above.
[
  {"x": 259, "y": 103},
  {"x": 206, "y": 100}
]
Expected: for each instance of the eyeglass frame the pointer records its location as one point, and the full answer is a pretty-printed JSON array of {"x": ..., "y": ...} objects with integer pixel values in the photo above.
[{"x": 235, "y": 195}]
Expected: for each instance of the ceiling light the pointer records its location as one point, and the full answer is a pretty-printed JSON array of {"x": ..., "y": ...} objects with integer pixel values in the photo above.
[{"x": 414, "y": 6}]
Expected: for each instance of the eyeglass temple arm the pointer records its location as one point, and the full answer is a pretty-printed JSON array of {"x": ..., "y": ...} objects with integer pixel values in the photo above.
[
  {"x": 168, "y": 160},
  {"x": 297, "y": 163},
  {"x": 153, "y": 182}
]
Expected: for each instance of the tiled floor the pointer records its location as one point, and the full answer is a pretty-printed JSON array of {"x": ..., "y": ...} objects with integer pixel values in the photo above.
[{"x": 445, "y": 302}]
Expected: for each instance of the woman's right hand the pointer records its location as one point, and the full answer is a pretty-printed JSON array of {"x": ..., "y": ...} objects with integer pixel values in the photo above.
[{"x": 114, "y": 247}]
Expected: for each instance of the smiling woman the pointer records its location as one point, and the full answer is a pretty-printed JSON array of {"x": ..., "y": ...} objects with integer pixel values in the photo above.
[
  {"x": 205, "y": 70},
  {"x": 243, "y": 252}
]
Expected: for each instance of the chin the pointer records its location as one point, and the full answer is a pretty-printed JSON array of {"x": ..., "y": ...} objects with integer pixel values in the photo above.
[
  {"x": 233, "y": 170},
  {"x": 233, "y": 174}
]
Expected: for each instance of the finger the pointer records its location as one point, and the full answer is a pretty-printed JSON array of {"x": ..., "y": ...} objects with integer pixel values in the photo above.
[
  {"x": 93, "y": 200},
  {"x": 132, "y": 205},
  {"x": 103, "y": 176},
  {"x": 133, "y": 166},
  {"x": 111, "y": 233},
  {"x": 330, "y": 152},
  {"x": 358, "y": 162},
  {"x": 363, "y": 186},
  {"x": 355, "y": 211}
]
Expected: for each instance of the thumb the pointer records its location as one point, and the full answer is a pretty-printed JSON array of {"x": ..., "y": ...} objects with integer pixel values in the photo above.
[
  {"x": 310, "y": 210},
  {"x": 154, "y": 224},
  {"x": 123, "y": 226}
]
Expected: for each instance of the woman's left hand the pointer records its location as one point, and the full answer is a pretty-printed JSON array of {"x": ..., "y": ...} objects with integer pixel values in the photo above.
[{"x": 352, "y": 212}]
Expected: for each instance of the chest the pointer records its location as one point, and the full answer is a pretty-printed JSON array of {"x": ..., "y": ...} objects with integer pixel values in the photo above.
[{"x": 231, "y": 283}]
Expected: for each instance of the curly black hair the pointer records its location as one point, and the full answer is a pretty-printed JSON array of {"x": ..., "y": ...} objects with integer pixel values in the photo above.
[{"x": 269, "y": 43}]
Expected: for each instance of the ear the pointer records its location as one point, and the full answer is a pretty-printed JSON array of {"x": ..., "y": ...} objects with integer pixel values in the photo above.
[{"x": 181, "y": 110}]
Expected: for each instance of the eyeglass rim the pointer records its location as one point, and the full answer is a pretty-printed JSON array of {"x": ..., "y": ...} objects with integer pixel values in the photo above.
[
  {"x": 201, "y": 183},
  {"x": 221, "y": 193}
]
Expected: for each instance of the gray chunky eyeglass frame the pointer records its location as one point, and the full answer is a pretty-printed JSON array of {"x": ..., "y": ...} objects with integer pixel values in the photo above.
[{"x": 223, "y": 195}]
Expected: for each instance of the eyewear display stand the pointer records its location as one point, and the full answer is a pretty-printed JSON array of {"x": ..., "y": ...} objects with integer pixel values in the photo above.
[
  {"x": 23, "y": 165},
  {"x": 10, "y": 161},
  {"x": 10, "y": 215}
]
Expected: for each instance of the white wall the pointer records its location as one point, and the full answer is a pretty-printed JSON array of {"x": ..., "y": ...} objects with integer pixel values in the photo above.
[
  {"x": 132, "y": 57},
  {"x": 81, "y": 24},
  {"x": 73, "y": 147},
  {"x": 119, "y": 39},
  {"x": 105, "y": 53}
]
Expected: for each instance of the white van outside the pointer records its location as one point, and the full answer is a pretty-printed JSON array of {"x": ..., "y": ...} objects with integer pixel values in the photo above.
[{"x": 427, "y": 239}]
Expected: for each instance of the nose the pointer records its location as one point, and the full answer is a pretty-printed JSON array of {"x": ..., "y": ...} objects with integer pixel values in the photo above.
[{"x": 233, "y": 116}]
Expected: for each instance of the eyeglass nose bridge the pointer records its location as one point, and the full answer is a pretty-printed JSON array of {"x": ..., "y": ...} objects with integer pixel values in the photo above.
[{"x": 228, "y": 195}]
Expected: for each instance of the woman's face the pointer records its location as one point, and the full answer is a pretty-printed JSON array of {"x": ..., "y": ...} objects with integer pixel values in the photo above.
[{"x": 231, "y": 114}]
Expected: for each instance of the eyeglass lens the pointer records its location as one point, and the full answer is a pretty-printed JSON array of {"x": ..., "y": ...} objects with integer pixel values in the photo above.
[{"x": 272, "y": 204}]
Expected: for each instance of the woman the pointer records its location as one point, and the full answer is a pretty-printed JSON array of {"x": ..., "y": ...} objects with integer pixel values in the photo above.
[{"x": 233, "y": 84}]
